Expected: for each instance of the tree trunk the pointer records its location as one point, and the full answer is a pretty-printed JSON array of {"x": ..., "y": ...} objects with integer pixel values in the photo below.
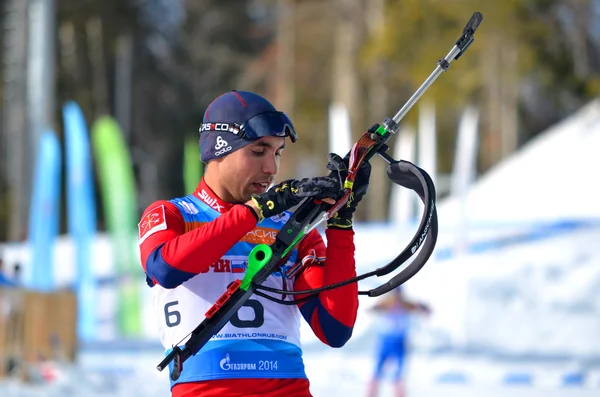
[
  {"x": 284, "y": 72},
  {"x": 578, "y": 34},
  {"x": 123, "y": 85},
  {"x": 378, "y": 108},
  {"x": 68, "y": 55},
  {"x": 99, "y": 78},
  {"x": 347, "y": 89},
  {"x": 18, "y": 172},
  {"x": 491, "y": 141},
  {"x": 509, "y": 109}
]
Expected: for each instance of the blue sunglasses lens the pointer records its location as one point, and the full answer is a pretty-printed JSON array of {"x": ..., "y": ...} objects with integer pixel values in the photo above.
[{"x": 270, "y": 124}]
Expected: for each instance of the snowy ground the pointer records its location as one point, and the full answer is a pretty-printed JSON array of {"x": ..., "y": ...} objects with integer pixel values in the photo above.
[
  {"x": 518, "y": 316},
  {"x": 332, "y": 373}
]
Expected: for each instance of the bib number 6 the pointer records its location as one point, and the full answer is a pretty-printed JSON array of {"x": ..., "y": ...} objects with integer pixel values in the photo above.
[{"x": 173, "y": 317}]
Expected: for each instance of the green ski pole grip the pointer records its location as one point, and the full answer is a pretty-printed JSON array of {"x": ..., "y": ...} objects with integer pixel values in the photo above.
[{"x": 258, "y": 258}]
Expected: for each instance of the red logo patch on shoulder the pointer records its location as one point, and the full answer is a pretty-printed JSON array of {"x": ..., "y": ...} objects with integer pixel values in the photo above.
[{"x": 154, "y": 221}]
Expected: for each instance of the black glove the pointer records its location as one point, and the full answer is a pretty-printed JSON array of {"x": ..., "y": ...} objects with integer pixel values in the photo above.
[
  {"x": 291, "y": 192},
  {"x": 339, "y": 169}
]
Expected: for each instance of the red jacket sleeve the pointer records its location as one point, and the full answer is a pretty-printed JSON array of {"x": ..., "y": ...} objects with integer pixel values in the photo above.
[
  {"x": 171, "y": 256},
  {"x": 333, "y": 313}
]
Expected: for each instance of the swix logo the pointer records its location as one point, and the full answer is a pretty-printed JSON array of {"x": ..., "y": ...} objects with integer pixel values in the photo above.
[{"x": 211, "y": 201}]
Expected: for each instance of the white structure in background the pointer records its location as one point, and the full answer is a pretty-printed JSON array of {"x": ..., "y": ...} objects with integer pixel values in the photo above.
[
  {"x": 465, "y": 169},
  {"x": 529, "y": 282},
  {"x": 427, "y": 140},
  {"x": 553, "y": 177},
  {"x": 340, "y": 132},
  {"x": 402, "y": 201},
  {"x": 404, "y": 204}
]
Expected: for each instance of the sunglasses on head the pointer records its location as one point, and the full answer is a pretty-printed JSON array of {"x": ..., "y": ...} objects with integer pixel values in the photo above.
[{"x": 261, "y": 125}]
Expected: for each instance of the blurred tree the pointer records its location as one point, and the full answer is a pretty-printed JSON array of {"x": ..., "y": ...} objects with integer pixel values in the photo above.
[
  {"x": 13, "y": 138},
  {"x": 183, "y": 55},
  {"x": 533, "y": 62}
]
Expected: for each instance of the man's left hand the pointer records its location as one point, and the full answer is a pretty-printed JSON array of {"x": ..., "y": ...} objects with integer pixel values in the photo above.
[{"x": 339, "y": 169}]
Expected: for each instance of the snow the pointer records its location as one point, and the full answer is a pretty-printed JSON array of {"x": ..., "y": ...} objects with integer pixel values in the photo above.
[
  {"x": 515, "y": 312},
  {"x": 520, "y": 308},
  {"x": 551, "y": 177}
]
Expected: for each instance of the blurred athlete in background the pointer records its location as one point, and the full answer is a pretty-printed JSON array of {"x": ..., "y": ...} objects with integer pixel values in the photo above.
[{"x": 393, "y": 324}]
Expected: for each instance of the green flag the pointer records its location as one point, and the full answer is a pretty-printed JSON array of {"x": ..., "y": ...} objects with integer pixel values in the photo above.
[
  {"x": 118, "y": 194},
  {"x": 192, "y": 166}
]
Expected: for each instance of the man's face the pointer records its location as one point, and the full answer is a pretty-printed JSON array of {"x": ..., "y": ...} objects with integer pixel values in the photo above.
[{"x": 251, "y": 169}]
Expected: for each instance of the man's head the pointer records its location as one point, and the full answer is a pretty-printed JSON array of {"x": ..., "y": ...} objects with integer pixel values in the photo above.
[{"x": 241, "y": 140}]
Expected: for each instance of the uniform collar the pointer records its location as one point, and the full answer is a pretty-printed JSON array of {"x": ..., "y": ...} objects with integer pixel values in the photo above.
[{"x": 207, "y": 196}]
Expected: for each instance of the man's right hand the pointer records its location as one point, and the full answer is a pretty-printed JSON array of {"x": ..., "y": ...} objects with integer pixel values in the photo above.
[{"x": 291, "y": 192}]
